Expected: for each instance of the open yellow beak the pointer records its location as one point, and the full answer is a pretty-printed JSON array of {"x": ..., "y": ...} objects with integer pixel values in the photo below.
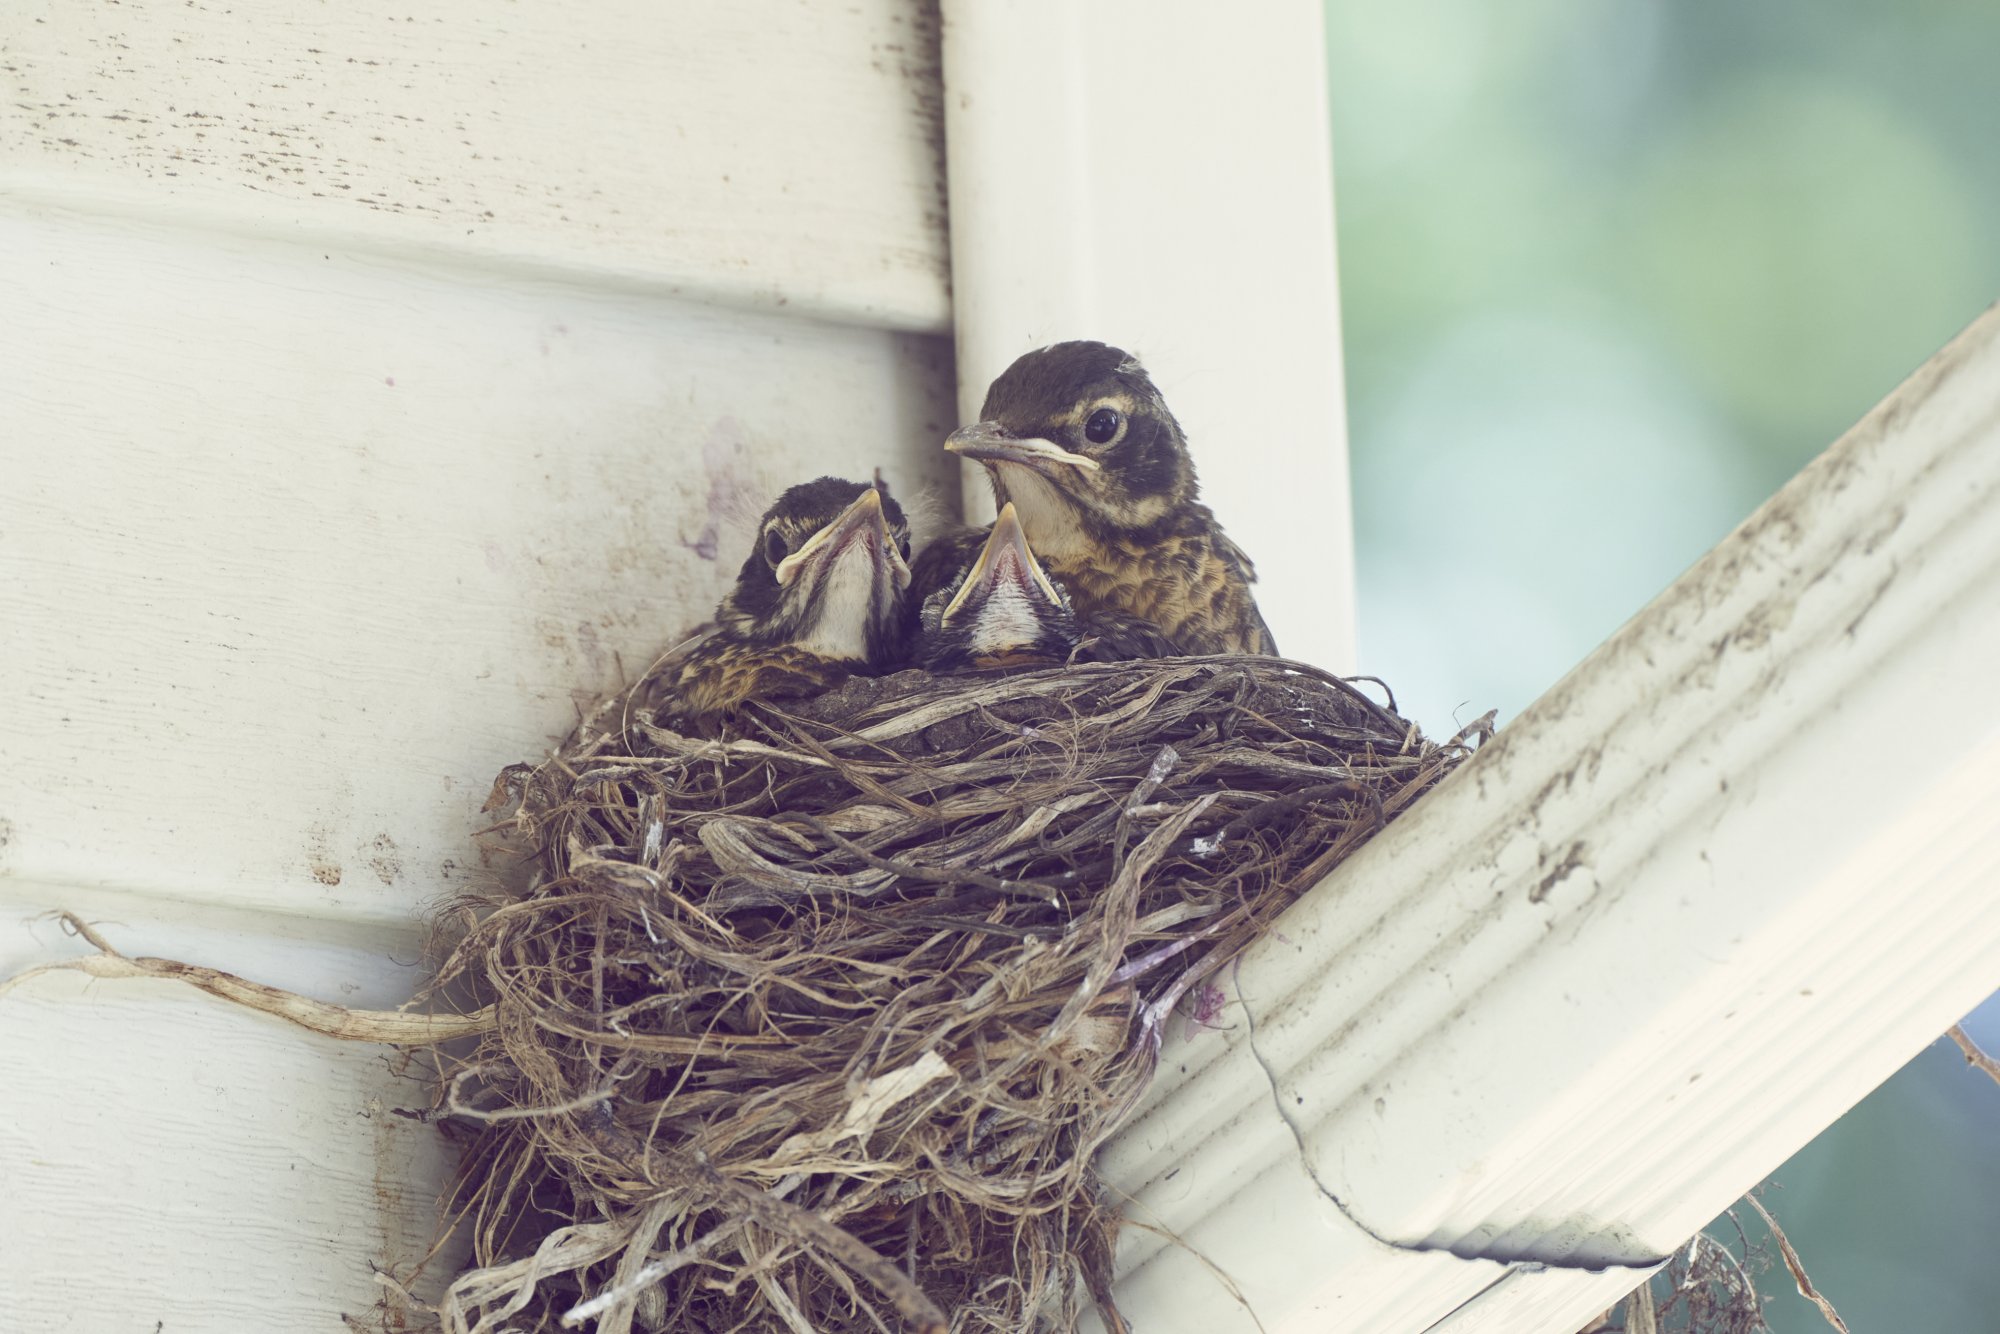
[
  {"x": 862, "y": 521},
  {"x": 1005, "y": 555}
]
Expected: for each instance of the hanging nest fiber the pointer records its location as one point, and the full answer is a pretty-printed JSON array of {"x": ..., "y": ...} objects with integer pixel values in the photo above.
[{"x": 818, "y": 1025}]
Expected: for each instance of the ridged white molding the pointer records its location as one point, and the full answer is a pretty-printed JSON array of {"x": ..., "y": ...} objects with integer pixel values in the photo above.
[{"x": 1727, "y": 876}]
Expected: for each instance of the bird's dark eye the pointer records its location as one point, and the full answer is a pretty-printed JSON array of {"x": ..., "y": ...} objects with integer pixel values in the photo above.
[
  {"x": 776, "y": 547},
  {"x": 1103, "y": 424}
]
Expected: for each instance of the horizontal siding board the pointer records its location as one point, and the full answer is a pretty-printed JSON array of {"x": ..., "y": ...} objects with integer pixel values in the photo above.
[
  {"x": 298, "y": 548},
  {"x": 376, "y": 389},
  {"x": 782, "y": 154},
  {"x": 175, "y": 1163}
]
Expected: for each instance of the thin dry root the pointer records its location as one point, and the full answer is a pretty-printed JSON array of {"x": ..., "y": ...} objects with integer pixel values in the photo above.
[
  {"x": 396, "y": 1028},
  {"x": 1975, "y": 1055},
  {"x": 1797, "y": 1266}
]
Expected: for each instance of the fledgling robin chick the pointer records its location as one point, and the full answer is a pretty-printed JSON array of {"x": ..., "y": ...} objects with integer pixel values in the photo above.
[
  {"x": 1001, "y": 609},
  {"x": 818, "y": 600},
  {"x": 1079, "y": 439}
]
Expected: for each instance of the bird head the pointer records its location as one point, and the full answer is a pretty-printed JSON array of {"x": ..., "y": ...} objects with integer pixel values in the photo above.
[
  {"x": 1001, "y": 610},
  {"x": 827, "y": 575},
  {"x": 1079, "y": 439}
]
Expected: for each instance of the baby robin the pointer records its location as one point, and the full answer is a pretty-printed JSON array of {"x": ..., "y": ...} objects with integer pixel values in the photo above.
[
  {"x": 820, "y": 598},
  {"x": 1079, "y": 439}
]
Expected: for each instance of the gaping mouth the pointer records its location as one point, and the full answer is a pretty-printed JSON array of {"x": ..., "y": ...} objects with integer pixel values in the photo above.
[
  {"x": 862, "y": 524},
  {"x": 990, "y": 442},
  {"x": 1006, "y": 558}
]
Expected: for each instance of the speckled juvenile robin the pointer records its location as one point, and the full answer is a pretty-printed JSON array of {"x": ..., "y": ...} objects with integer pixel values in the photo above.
[
  {"x": 1079, "y": 439},
  {"x": 818, "y": 600},
  {"x": 1000, "y": 609}
]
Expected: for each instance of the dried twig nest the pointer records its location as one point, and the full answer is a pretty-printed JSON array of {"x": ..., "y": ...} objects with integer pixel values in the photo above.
[{"x": 817, "y": 1026}]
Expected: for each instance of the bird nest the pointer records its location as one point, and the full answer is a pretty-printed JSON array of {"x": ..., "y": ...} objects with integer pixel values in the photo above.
[{"x": 818, "y": 1025}]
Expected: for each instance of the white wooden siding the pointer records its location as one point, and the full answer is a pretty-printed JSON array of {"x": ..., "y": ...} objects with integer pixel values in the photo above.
[
  {"x": 780, "y": 153},
  {"x": 172, "y": 1161},
  {"x": 302, "y": 546},
  {"x": 353, "y": 431}
]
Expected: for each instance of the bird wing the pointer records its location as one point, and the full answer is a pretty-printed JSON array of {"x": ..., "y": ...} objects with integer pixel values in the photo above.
[
  {"x": 1119, "y": 636},
  {"x": 1268, "y": 643},
  {"x": 722, "y": 675},
  {"x": 1234, "y": 555}
]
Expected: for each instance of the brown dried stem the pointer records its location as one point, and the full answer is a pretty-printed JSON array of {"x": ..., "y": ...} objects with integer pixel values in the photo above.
[
  {"x": 1975, "y": 1055},
  {"x": 1797, "y": 1266},
  {"x": 397, "y": 1028}
]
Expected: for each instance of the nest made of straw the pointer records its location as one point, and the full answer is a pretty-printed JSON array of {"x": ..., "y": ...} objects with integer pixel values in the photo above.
[{"x": 818, "y": 1025}]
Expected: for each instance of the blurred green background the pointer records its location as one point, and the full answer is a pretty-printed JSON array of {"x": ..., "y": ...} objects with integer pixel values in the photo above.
[{"x": 1611, "y": 273}]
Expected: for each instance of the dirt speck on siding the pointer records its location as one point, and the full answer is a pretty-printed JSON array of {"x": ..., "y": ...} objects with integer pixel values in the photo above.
[
  {"x": 385, "y": 863},
  {"x": 319, "y": 856}
]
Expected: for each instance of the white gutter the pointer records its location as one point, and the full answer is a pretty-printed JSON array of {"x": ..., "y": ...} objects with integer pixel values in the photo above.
[
  {"x": 1157, "y": 174},
  {"x": 1720, "y": 882}
]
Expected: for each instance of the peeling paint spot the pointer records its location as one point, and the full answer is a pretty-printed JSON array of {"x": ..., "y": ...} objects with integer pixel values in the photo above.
[
  {"x": 1571, "y": 861},
  {"x": 319, "y": 855},
  {"x": 386, "y": 864},
  {"x": 373, "y": 152}
]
